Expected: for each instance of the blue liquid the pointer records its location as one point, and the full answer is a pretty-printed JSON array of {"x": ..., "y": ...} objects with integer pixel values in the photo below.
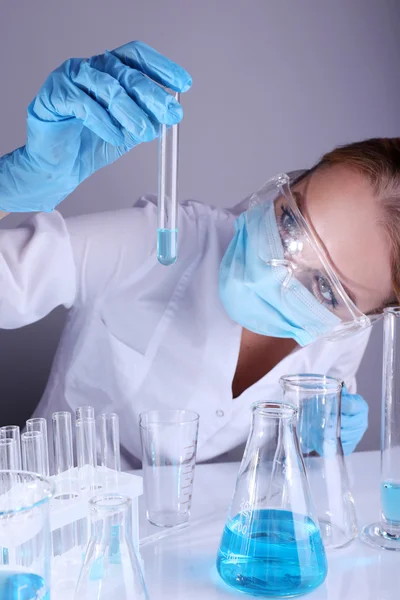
[
  {"x": 167, "y": 246},
  {"x": 16, "y": 585},
  {"x": 281, "y": 554},
  {"x": 390, "y": 498}
]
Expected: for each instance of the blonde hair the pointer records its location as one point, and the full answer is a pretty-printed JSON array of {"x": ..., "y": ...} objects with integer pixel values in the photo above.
[{"x": 378, "y": 160}]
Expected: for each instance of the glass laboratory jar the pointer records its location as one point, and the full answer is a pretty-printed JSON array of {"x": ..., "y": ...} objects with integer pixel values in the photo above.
[
  {"x": 25, "y": 539},
  {"x": 271, "y": 545},
  {"x": 318, "y": 398}
]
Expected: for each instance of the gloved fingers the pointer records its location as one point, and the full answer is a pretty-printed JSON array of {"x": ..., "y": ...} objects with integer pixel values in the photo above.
[
  {"x": 112, "y": 97},
  {"x": 353, "y": 404},
  {"x": 154, "y": 100},
  {"x": 60, "y": 100},
  {"x": 142, "y": 57}
]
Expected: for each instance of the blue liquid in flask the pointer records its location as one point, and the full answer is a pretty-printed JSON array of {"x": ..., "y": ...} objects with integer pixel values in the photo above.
[
  {"x": 281, "y": 554},
  {"x": 390, "y": 497},
  {"x": 17, "y": 585},
  {"x": 167, "y": 246}
]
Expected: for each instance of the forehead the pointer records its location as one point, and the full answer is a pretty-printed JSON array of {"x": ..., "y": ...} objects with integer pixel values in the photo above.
[{"x": 340, "y": 205}]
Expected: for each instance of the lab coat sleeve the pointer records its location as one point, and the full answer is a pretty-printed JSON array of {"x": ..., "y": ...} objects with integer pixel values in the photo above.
[
  {"x": 109, "y": 248},
  {"x": 349, "y": 355},
  {"x": 37, "y": 271}
]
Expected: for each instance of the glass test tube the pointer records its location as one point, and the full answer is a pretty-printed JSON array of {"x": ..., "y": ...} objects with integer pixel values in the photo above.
[
  {"x": 8, "y": 455},
  {"x": 84, "y": 412},
  {"x": 67, "y": 487},
  {"x": 386, "y": 533},
  {"x": 86, "y": 452},
  {"x": 40, "y": 424},
  {"x": 13, "y": 432},
  {"x": 62, "y": 442},
  {"x": 167, "y": 228},
  {"x": 109, "y": 441},
  {"x": 390, "y": 444},
  {"x": 32, "y": 445}
]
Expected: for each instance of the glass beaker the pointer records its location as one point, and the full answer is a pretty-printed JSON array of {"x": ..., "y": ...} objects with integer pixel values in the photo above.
[
  {"x": 169, "y": 446},
  {"x": 318, "y": 398},
  {"x": 386, "y": 533},
  {"x": 111, "y": 568},
  {"x": 25, "y": 539},
  {"x": 271, "y": 545}
]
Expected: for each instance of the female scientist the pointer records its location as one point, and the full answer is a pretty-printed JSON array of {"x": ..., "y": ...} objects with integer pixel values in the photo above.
[{"x": 283, "y": 283}]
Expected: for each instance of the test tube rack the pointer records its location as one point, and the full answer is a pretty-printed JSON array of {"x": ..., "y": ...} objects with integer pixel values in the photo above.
[
  {"x": 66, "y": 511},
  {"x": 69, "y": 521}
]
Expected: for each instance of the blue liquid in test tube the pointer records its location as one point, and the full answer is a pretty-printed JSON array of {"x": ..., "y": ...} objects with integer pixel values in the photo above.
[
  {"x": 167, "y": 228},
  {"x": 390, "y": 498}
]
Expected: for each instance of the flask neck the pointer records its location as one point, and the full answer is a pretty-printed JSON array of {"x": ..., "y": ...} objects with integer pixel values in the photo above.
[{"x": 111, "y": 520}]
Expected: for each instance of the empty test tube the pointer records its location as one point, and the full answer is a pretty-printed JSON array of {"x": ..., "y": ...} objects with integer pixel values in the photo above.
[
  {"x": 84, "y": 412},
  {"x": 8, "y": 455},
  {"x": 109, "y": 441},
  {"x": 32, "y": 445},
  {"x": 167, "y": 226},
  {"x": 13, "y": 432},
  {"x": 39, "y": 424},
  {"x": 86, "y": 452},
  {"x": 62, "y": 442}
]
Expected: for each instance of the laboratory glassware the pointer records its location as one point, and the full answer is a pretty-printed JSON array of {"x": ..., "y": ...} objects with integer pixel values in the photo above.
[
  {"x": 111, "y": 568},
  {"x": 169, "y": 445},
  {"x": 386, "y": 533},
  {"x": 86, "y": 452},
  {"x": 13, "y": 432},
  {"x": 67, "y": 484},
  {"x": 110, "y": 448},
  {"x": 32, "y": 445},
  {"x": 271, "y": 545},
  {"x": 318, "y": 399},
  {"x": 40, "y": 424},
  {"x": 167, "y": 223},
  {"x": 25, "y": 542},
  {"x": 8, "y": 455},
  {"x": 84, "y": 412}
]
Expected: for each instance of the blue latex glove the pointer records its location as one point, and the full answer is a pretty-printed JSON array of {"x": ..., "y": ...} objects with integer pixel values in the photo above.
[
  {"x": 354, "y": 423},
  {"x": 87, "y": 114}
]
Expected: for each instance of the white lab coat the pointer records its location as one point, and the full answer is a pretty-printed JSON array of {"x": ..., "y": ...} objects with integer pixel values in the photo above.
[{"x": 140, "y": 335}]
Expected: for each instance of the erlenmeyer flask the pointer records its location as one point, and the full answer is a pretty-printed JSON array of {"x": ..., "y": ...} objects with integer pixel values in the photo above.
[
  {"x": 271, "y": 545},
  {"x": 111, "y": 569},
  {"x": 318, "y": 398}
]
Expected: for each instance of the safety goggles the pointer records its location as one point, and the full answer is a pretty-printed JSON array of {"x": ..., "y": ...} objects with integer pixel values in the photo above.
[{"x": 301, "y": 254}]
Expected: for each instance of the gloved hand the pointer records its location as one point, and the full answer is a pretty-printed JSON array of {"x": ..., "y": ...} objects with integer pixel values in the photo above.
[
  {"x": 87, "y": 114},
  {"x": 354, "y": 420},
  {"x": 317, "y": 424}
]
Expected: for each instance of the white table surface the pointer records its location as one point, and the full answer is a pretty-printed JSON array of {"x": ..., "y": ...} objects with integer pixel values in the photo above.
[{"x": 180, "y": 564}]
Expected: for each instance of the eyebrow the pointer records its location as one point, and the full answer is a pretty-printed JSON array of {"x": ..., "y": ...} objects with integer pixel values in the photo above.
[{"x": 303, "y": 209}]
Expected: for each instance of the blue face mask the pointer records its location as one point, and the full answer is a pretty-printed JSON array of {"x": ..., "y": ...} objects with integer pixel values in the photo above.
[{"x": 254, "y": 295}]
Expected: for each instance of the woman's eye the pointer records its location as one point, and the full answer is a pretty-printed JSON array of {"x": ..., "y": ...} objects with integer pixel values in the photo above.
[
  {"x": 325, "y": 292},
  {"x": 288, "y": 222}
]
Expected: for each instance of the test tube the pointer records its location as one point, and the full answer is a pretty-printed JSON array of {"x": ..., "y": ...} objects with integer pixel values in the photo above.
[
  {"x": 167, "y": 227},
  {"x": 32, "y": 445},
  {"x": 86, "y": 452},
  {"x": 13, "y": 432},
  {"x": 66, "y": 486},
  {"x": 109, "y": 441},
  {"x": 84, "y": 412},
  {"x": 40, "y": 424},
  {"x": 62, "y": 442},
  {"x": 8, "y": 455},
  {"x": 386, "y": 533}
]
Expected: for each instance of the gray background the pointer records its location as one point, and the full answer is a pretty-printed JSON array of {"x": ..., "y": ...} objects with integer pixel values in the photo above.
[{"x": 276, "y": 84}]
